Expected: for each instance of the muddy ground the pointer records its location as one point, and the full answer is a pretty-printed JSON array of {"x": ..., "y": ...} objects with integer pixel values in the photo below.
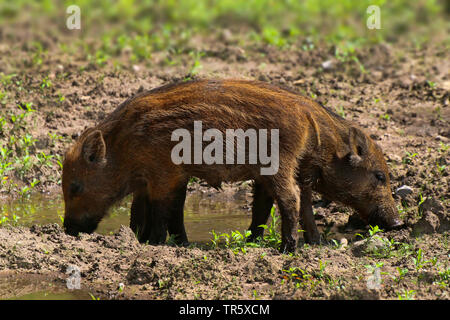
[
  {"x": 398, "y": 92},
  {"x": 118, "y": 267}
]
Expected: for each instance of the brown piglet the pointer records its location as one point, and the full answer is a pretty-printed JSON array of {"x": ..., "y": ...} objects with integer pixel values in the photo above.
[{"x": 137, "y": 150}]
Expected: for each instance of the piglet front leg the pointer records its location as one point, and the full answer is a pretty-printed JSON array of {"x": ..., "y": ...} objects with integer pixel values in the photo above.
[{"x": 311, "y": 235}]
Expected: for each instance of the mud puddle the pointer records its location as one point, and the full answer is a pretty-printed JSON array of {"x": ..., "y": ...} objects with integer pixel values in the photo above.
[
  {"x": 38, "y": 287},
  {"x": 204, "y": 212}
]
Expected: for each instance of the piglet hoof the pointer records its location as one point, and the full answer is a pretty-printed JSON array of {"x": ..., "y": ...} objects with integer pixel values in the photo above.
[
  {"x": 312, "y": 239},
  {"x": 178, "y": 241},
  {"x": 288, "y": 247},
  {"x": 183, "y": 244},
  {"x": 254, "y": 237}
]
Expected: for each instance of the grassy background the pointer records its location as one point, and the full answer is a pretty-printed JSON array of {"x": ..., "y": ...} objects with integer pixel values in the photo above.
[{"x": 162, "y": 24}]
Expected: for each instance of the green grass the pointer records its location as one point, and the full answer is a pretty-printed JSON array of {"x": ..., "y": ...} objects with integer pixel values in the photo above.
[
  {"x": 147, "y": 26},
  {"x": 238, "y": 241},
  {"x": 19, "y": 159}
]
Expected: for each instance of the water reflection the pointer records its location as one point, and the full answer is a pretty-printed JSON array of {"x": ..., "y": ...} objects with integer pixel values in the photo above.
[{"x": 203, "y": 212}]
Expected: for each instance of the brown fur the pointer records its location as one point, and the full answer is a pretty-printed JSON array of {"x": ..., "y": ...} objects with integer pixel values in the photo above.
[{"x": 129, "y": 152}]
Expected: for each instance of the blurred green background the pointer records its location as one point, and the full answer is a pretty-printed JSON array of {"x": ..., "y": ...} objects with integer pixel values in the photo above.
[{"x": 152, "y": 25}]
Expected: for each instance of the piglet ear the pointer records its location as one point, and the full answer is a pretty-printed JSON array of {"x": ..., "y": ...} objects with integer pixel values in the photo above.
[
  {"x": 358, "y": 146},
  {"x": 94, "y": 148}
]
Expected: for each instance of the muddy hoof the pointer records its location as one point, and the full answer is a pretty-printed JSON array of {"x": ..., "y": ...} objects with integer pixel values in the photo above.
[
  {"x": 254, "y": 238},
  {"x": 313, "y": 239},
  {"x": 288, "y": 247}
]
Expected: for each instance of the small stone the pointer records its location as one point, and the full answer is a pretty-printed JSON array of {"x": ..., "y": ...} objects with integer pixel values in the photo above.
[
  {"x": 226, "y": 35},
  {"x": 344, "y": 243},
  {"x": 369, "y": 246},
  {"x": 403, "y": 191},
  {"x": 441, "y": 138},
  {"x": 327, "y": 65},
  {"x": 375, "y": 244}
]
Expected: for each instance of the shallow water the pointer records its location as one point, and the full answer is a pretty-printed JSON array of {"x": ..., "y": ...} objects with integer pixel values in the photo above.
[
  {"x": 38, "y": 287},
  {"x": 202, "y": 213}
]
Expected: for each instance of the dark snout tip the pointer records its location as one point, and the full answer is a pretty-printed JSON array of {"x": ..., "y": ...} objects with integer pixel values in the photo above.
[
  {"x": 70, "y": 229},
  {"x": 73, "y": 227},
  {"x": 384, "y": 221},
  {"x": 71, "y": 232}
]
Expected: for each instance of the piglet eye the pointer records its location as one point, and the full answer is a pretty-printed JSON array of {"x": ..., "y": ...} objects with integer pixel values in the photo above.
[
  {"x": 76, "y": 188},
  {"x": 380, "y": 176}
]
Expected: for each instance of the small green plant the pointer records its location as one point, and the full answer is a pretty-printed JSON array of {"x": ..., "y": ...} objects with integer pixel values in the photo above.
[
  {"x": 321, "y": 274},
  {"x": 59, "y": 161},
  {"x": 431, "y": 84},
  {"x": 44, "y": 159},
  {"x": 443, "y": 147},
  {"x": 23, "y": 165},
  {"x": 408, "y": 158},
  {"x": 38, "y": 53},
  {"x": 443, "y": 278},
  {"x": 6, "y": 79},
  {"x": 340, "y": 111},
  {"x": 26, "y": 191},
  {"x": 93, "y": 297},
  {"x": 372, "y": 267},
  {"x": 401, "y": 274},
  {"x": 272, "y": 36},
  {"x": 53, "y": 138},
  {"x": 235, "y": 240},
  {"x": 4, "y": 220},
  {"x": 238, "y": 242},
  {"x": 46, "y": 83},
  {"x": 420, "y": 262},
  {"x": 196, "y": 66},
  {"x": 61, "y": 97},
  {"x": 421, "y": 200},
  {"x": 300, "y": 278},
  {"x": 374, "y": 230},
  {"x": 346, "y": 53},
  {"x": 407, "y": 295},
  {"x": 272, "y": 238},
  {"x": 3, "y": 98},
  {"x": 441, "y": 168}
]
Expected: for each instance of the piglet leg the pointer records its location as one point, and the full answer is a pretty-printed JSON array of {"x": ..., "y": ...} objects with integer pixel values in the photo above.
[{"x": 311, "y": 235}]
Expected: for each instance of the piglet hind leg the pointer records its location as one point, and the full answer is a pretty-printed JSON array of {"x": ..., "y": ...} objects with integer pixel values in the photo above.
[
  {"x": 176, "y": 228},
  {"x": 288, "y": 200},
  {"x": 261, "y": 206}
]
